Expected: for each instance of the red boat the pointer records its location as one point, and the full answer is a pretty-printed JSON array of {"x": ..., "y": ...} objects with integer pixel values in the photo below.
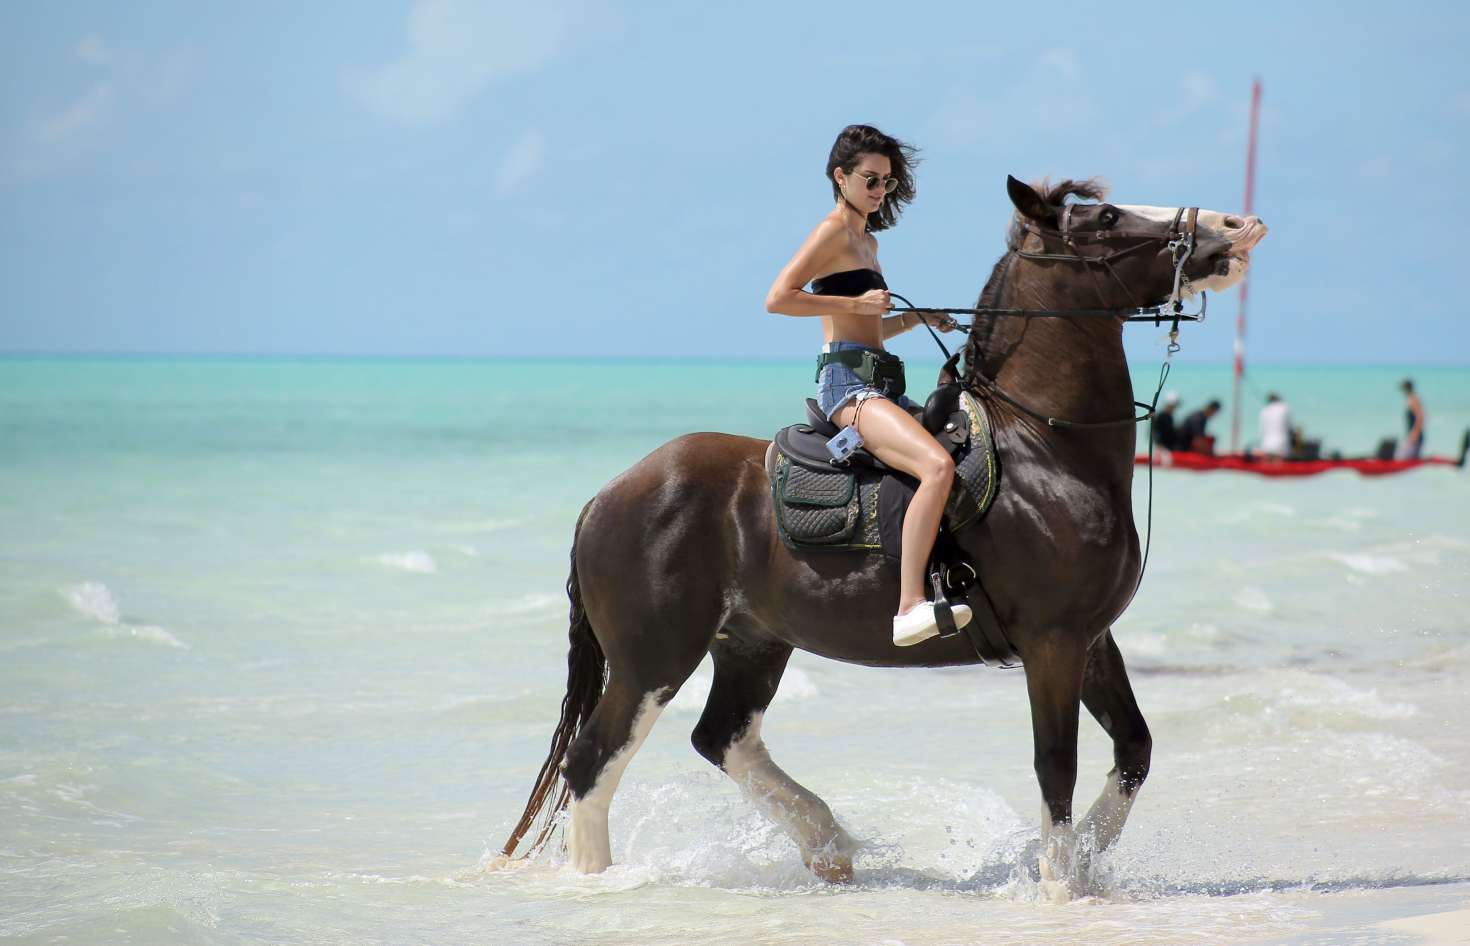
[{"x": 1250, "y": 463}]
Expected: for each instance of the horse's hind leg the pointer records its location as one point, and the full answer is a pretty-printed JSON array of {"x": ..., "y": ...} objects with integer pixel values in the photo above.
[
  {"x": 596, "y": 760},
  {"x": 1109, "y": 698},
  {"x": 729, "y": 735}
]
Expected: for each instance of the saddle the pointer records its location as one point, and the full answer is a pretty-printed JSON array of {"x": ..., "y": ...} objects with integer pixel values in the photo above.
[{"x": 858, "y": 504}]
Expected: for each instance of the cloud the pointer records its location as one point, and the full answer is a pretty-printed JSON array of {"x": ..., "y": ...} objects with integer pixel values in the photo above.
[
  {"x": 92, "y": 50},
  {"x": 455, "y": 49},
  {"x": 519, "y": 163},
  {"x": 86, "y": 113},
  {"x": 54, "y": 139}
]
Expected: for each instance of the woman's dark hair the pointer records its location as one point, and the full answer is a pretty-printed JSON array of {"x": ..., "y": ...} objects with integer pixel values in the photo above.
[{"x": 852, "y": 143}]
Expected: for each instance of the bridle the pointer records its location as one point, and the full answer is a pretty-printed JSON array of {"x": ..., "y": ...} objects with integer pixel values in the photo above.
[{"x": 1180, "y": 241}]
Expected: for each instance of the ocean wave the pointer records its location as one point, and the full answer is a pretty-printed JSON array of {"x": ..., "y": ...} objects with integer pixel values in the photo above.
[
  {"x": 1251, "y": 598},
  {"x": 151, "y": 633},
  {"x": 418, "y": 562},
  {"x": 480, "y": 526},
  {"x": 522, "y": 605},
  {"x": 1369, "y": 564},
  {"x": 94, "y": 600},
  {"x": 796, "y": 686},
  {"x": 1317, "y": 691}
]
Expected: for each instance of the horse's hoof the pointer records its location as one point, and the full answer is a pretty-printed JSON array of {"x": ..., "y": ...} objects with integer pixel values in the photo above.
[
  {"x": 1057, "y": 892},
  {"x": 834, "y": 870}
]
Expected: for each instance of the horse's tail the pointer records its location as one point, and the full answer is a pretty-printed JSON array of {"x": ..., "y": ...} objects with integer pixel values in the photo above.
[{"x": 586, "y": 676}]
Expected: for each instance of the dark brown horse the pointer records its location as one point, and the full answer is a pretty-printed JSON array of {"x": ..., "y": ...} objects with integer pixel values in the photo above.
[{"x": 679, "y": 556}]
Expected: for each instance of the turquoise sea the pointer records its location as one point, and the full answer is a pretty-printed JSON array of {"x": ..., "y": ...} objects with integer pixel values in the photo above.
[{"x": 282, "y": 642}]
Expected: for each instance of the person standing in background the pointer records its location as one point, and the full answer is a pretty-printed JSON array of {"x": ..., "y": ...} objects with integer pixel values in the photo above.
[
  {"x": 1275, "y": 428},
  {"x": 1416, "y": 416}
]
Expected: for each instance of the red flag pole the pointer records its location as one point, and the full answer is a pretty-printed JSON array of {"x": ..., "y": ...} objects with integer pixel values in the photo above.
[{"x": 1250, "y": 190}]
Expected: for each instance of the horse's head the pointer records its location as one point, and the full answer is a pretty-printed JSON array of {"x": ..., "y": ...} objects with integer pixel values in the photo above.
[{"x": 1129, "y": 251}]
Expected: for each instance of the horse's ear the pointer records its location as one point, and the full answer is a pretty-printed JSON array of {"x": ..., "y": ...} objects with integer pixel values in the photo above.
[{"x": 1030, "y": 204}]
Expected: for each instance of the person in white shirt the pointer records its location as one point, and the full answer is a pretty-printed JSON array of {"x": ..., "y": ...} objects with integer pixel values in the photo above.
[{"x": 1275, "y": 426}]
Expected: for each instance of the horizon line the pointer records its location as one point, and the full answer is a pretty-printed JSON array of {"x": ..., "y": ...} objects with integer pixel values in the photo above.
[{"x": 46, "y": 355}]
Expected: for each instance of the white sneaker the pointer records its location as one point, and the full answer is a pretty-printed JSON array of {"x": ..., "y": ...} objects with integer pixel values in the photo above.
[{"x": 919, "y": 623}]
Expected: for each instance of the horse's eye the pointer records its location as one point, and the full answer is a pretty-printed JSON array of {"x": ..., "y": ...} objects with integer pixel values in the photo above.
[{"x": 1108, "y": 217}]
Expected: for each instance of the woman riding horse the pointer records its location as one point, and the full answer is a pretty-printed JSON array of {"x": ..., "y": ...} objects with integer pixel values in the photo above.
[
  {"x": 859, "y": 384},
  {"x": 679, "y": 557}
]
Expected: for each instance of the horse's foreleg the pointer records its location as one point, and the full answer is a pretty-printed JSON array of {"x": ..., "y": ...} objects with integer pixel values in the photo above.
[
  {"x": 729, "y": 735},
  {"x": 1109, "y": 698},
  {"x": 595, "y": 762},
  {"x": 1054, "y": 665}
]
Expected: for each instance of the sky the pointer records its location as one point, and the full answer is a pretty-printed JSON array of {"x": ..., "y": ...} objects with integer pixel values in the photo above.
[{"x": 599, "y": 179}]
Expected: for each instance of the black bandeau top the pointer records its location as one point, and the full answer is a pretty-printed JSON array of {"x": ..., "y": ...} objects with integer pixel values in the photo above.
[{"x": 849, "y": 282}]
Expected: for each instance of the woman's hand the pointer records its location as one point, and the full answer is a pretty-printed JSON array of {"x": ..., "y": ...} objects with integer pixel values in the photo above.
[
  {"x": 948, "y": 324},
  {"x": 872, "y": 302}
]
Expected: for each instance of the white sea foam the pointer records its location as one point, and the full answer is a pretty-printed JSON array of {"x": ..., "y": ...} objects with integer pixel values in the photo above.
[
  {"x": 485, "y": 525},
  {"x": 522, "y": 605},
  {"x": 418, "y": 562},
  {"x": 796, "y": 686},
  {"x": 1370, "y": 564},
  {"x": 151, "y": 633},
  {"x": 1319, "y": 691},
  {"x": 92, "y": 599},
  {"x": 1254, "y": 599}
]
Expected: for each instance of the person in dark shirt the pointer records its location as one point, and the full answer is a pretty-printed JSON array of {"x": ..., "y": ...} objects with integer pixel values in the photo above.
[
  {"x": 1413, "y": 441},
  {"x": 1192, "y": 435},
  {"x": 1166, "y": 427}
]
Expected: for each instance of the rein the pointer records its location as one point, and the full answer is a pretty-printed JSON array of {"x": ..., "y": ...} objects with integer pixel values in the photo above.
[{"x": 1180, "y": 242}]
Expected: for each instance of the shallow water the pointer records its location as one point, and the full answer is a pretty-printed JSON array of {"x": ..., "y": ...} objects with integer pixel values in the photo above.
[{"x": 282, "y": 644}]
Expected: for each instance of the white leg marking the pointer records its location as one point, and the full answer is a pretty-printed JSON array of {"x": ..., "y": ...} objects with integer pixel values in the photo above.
[
  {"x": 589, "y": 849},
  {"x": 1104, "y": 821},
  {"x": 1060, "y": 879},
  {"x": 825, "y": 847}
]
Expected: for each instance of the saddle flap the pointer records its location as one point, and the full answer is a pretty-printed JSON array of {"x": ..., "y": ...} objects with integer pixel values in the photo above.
[{"x": 801, "y": 486}]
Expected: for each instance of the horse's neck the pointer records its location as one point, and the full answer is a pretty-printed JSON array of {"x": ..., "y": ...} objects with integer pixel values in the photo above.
[{"x": 1072, "y": 368}]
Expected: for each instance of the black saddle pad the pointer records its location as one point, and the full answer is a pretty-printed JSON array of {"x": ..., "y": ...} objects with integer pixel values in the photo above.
[{"x": 859, "y": 505}]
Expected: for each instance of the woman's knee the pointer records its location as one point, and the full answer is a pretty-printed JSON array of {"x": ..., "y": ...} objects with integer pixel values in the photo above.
[{"x": 937, "y": 467}]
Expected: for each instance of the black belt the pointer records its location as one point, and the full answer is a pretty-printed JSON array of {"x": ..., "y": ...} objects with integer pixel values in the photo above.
[{"x": 874, "y": 366}]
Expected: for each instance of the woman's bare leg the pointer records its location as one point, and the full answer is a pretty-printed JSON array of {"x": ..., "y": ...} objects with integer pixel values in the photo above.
[{"x": 894, "y": 436}]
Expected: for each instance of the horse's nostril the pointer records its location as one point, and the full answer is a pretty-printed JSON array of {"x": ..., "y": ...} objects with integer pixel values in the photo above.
[
  {"x": 1222, "y": 268},
  {"x": 1234, "y": 223}
]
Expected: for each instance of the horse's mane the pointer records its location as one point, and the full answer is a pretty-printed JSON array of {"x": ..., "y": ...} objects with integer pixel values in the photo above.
[{"x": 1055, "y": 195}]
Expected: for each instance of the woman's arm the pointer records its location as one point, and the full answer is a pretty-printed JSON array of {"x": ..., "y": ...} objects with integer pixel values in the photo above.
[
  {"x": 786, "y": 296},
  {"x": 898, "y": 324}
]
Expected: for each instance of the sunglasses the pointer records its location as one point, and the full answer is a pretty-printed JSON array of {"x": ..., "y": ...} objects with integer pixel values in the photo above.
[{"x": 890, "y": 184}]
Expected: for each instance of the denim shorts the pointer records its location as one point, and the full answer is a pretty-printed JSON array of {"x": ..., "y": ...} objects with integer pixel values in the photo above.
[{"x": 839, "y": 384}]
